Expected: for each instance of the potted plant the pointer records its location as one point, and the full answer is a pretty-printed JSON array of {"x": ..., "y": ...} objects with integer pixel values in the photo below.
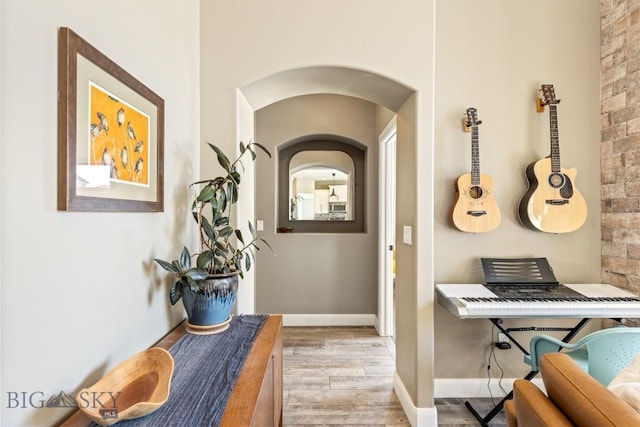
[{"x": 208, "y": 286}]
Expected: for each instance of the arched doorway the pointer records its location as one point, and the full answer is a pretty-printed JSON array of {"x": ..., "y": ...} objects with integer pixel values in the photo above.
[{"x": 384, "y": 94}]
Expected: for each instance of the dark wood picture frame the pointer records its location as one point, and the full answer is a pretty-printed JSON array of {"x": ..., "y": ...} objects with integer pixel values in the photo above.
[{"x": 79, "y": 64}]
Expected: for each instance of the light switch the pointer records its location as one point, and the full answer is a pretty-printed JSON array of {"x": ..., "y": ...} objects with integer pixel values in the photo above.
[
  {"x": 406, "y": 234},
  {"x": 259, "y": 225}
]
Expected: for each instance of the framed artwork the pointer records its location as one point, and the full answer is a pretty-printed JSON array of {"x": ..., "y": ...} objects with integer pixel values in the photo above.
[{"x": 110, "y": 134}]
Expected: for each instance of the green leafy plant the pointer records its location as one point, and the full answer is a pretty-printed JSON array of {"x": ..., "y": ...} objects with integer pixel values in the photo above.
[{"x": 223, "y": 249}]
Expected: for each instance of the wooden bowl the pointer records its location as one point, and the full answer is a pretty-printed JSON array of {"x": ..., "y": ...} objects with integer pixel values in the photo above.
[{"x": 134, "y": 388}]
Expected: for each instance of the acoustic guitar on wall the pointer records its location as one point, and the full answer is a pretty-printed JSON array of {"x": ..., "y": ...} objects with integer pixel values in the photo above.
[
  {"x": 552, "y": 203},
  {"x": 474, "y": 209}
]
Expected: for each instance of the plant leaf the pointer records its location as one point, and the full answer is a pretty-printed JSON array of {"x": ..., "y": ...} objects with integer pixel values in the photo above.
[
  {"x": 239, "y": 236},
  {"x": 185, "y": 258},
  {"x": 196, "y": 274},
  {"x": 167, "y": 266},
  {"x": 222, "y": 158},
  {"x": 192, "y": 283},
  {"x": 247, "y": 263},
  {"x": 208, "y": 229},
  {"x": 206, "y": 194},
  {"x": 235, "y": 194},
  {"x": 176, "y": 292},
  {"x": 262, "y": 147},
  {"x": 252, "y": 230},
  {"x": 266, "y": 243},
  {"x": 218, "y": 204},
  {"x": 226, "y": 232},
  {"x": 222, "y": 221},
  {"x": 232, "y": 192},
  {"x": 204, "y": 259}
]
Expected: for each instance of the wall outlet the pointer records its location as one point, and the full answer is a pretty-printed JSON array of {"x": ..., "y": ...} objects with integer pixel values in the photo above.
[
  {"x": 503, "y": 342},
  {"x": 406, "y": 234}
]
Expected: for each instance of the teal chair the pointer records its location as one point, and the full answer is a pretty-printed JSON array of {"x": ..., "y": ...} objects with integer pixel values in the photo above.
[{"x": 602, "y": 353}]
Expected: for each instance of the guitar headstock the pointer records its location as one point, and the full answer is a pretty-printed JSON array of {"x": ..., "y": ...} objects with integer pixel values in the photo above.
[
  {"x": 549, "y": 96},
  {"x": 472, "y": 117}
]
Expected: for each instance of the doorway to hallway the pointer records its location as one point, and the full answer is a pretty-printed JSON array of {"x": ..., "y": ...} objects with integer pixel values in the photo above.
[{"x": 387, "y": 226}]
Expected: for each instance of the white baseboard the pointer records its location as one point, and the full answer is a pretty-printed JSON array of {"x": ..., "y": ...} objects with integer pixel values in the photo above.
[
  {"x": 329, "y": 319},
  {"x": 417, "y": 417},
  {"x": 475, "y": 387},
  {"x": 445, "y": 387}
]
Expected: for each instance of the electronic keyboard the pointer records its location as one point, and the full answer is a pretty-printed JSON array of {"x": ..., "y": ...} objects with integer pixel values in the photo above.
[{"x": 563, "y": 300}]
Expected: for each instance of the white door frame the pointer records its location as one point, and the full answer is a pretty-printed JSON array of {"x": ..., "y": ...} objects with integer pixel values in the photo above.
[{"x": 386, "y": 230}]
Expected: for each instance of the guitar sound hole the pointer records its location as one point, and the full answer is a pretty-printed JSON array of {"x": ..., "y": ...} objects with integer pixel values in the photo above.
[
  {"x": 475, "y": 192},
  {"x": 556, "y": 180}
]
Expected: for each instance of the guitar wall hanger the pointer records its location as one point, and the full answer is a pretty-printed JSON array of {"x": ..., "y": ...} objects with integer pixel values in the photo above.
[
  {"x": 467, "y": 125},
  {"x": 540, "y": 104}
]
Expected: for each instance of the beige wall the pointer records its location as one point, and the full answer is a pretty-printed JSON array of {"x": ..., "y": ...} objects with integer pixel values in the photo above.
[
  {"x": 406, "y": 291},
  {"x": 80, "y": 291},
  {"x": 316, "y": 273},
  {"x": 494, "y": 57}
]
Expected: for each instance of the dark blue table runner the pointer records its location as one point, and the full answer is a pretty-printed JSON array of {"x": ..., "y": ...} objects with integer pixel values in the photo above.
[{"x": 206, "y": 370}]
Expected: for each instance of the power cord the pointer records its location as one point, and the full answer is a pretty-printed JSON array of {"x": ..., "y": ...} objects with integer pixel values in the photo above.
[{"x": 492, "y": 353}]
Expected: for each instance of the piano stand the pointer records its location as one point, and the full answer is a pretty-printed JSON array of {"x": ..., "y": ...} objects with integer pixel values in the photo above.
[{"x": 484, "y": 421}]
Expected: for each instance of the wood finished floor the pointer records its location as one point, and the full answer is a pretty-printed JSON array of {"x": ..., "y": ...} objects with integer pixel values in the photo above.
[{"x": 343, "y": 376}]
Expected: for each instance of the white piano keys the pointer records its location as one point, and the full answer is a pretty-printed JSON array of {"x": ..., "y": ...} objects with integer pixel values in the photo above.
[{"x": 597, "y": 301}]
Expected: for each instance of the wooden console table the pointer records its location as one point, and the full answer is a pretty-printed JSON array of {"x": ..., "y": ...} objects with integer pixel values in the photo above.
[{"x": 256, "y": 399}]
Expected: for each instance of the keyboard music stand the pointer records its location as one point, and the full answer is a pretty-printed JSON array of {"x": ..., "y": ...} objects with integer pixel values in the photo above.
[
  {"x": 510, "y": 271},
  {"x": 501, "y": 274}
]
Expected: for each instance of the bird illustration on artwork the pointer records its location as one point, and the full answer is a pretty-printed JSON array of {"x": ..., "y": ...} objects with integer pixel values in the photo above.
[
  {"x": 107, "y": 159},
  {"x": 120, "y": 117},
  {"x": 104, "y": 123},
  {"x": 139, "y": 147},
  {"x": 94, "y": 129},
  {"x": 124, "y": 156},
  {"x": 131, "y": 131},
  {"x": 139, "y": 165}
]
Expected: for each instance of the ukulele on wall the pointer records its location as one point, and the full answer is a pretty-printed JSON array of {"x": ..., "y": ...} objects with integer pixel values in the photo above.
[
  {"x": 474, "y": 209},
  {"x": 552, "y": 203}
]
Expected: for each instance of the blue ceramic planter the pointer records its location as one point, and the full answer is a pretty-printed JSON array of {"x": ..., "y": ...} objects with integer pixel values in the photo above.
[{"x": 213, "y": 303}]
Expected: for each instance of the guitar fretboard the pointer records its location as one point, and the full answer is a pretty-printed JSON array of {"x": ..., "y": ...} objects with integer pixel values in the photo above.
[
  {"x": 475, "y": 156},
  {"x": 555, "y": 142}
]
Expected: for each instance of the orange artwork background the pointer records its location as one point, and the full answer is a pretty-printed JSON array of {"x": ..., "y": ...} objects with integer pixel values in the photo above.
[{"x": 110, "y": 142}]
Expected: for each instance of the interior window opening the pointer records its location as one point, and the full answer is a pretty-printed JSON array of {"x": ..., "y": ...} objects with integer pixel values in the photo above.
[{"x": 321, "y": 186}]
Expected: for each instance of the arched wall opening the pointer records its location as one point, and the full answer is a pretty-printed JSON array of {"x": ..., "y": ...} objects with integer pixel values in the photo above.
[
  {"x": 362, "y": 91},
  {"x": 380, "y": 97}
]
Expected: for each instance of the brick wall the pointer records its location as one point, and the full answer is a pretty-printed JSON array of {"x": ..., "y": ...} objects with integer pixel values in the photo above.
[{"x": 620, "y": 149}]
